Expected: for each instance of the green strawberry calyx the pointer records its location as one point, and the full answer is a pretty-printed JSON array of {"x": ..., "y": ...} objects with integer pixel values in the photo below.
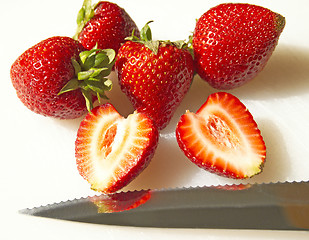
[
  {"x": 91, "y": 71},
  {"x": 280, "y": 22},
  {"x": 146, "y": 39},
  {"x": 83, "y": 16}
]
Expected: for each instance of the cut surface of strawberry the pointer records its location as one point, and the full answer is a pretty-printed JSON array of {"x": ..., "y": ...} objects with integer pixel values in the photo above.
[
  {"x": 112, "y": 150},
  {"x": 222, "y": 137}
]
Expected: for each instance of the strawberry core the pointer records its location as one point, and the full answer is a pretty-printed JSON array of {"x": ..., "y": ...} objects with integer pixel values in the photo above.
[
  {"x": 221, "y": 132},
  {"x": 107, "y": 138}
]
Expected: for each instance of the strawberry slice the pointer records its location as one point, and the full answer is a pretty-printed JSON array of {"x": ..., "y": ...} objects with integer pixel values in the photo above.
[
  {"x": 111, "y": 150},
  {"x": 222, "y": 137}
]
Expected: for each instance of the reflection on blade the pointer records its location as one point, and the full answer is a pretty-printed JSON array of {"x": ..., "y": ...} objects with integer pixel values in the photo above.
[
  {"x": 280, "y": 206},
  {"x": 119, "y": 202},
  {"x": 233, "y": 187}
]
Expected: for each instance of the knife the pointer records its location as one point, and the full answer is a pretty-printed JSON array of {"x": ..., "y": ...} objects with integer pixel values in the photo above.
[{"x": 276, "y": 206}]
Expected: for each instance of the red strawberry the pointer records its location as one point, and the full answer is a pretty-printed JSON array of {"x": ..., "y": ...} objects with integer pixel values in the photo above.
[
  {"x": 111, "y": 150},
  {"x": 58, "y": 65},
  {"x": 233, "y": 42},
  {"x": 155, "y": 75},
  {"x": 105, "y": 24},
  {"x": 222, "y": 137}
]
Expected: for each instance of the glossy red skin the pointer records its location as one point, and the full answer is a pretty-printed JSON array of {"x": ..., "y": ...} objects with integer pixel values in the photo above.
[
  {"x": 40, "y": 73},
  {"x": 155, "y": 84},
  {"x": 233, "y": 42},
  {"x": 108, "y": 28}
]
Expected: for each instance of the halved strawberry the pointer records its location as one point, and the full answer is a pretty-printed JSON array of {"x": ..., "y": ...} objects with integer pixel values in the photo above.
[
  {"x": 112, "y": 150},
  {"x": 222, "y": 137}
]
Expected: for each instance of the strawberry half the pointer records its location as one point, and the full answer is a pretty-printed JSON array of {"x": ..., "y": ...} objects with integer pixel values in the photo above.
[
  {"x": 222, "y": 137},
  {"x": 112, "y": 150}
]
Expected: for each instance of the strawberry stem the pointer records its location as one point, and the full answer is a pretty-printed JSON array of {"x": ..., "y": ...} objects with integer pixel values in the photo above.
[
  {"x": 146, "y": 39},
  {"x": 146, "y": 34}
]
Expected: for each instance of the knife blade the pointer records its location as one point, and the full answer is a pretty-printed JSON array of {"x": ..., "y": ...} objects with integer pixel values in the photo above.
[{"x": 276, "y": 206}]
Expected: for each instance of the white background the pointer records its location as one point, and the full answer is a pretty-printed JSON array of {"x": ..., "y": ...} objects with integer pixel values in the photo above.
[{"x": 37, "y": 160}]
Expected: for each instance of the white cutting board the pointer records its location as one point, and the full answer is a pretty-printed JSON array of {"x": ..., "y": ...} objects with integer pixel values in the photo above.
[{"x": 37, "y": 161}]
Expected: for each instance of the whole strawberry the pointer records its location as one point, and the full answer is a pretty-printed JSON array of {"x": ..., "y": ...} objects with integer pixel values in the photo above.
[
  {"x": 57, "y": 78},
  {"x": 155, "y": 75},
  {"x": 104, "y": 24},
  {"x": 233, "y": 42}
]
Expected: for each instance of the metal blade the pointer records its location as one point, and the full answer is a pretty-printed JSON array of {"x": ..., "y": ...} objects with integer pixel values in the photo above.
[{"x": 278, "y": 206}]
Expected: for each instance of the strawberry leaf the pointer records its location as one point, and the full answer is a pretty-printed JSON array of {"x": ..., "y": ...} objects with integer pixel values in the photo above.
[
  {"x": 133, "y": 38},
  {"x": 100, "y": 58},
  {"x": 84, "y": 75},
  {"x": 110, "y": 53},
  {"x": 83, "y": 16},
  {"x": 72, "y": 85},
  {"x": 86, "y": 55},
  {"x": 153, "y": 46},
  {"x": 88, "y": 97},
  {"x": 146, "y": 34},
  {"x": 108, "y": 84},
  {"x": 89, "y": 62},
  {"x": 76, "y": 66},
  {"x": 91, "y": 70},
  {"x": 180, "y": 44},
  {"x": 83, "y": 56},
  {"x": 80, "y": 16},
  {"x": 146, "y": 39},
  {"x": 104, "y": 57},
  {"x": 95, "y": 85},
  {"x": 97, "y": 71}
]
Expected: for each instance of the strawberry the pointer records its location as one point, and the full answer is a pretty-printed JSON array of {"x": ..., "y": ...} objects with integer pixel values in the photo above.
[
  {"x": 57, "y": 78},
  {"x": 222, "y": 137},
  {"x": 104, "y": 24},
  {"x": 155, "y": 75},
  {"x": 232, "y": 43},
  {"x": 112, "y": 150}
]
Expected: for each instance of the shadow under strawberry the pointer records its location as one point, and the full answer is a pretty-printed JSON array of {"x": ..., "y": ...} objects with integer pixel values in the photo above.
[
  {"x": 286, "y": 74},
  {"x": 168, "y": 168},
  {"x": 278, "y": 161}
]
